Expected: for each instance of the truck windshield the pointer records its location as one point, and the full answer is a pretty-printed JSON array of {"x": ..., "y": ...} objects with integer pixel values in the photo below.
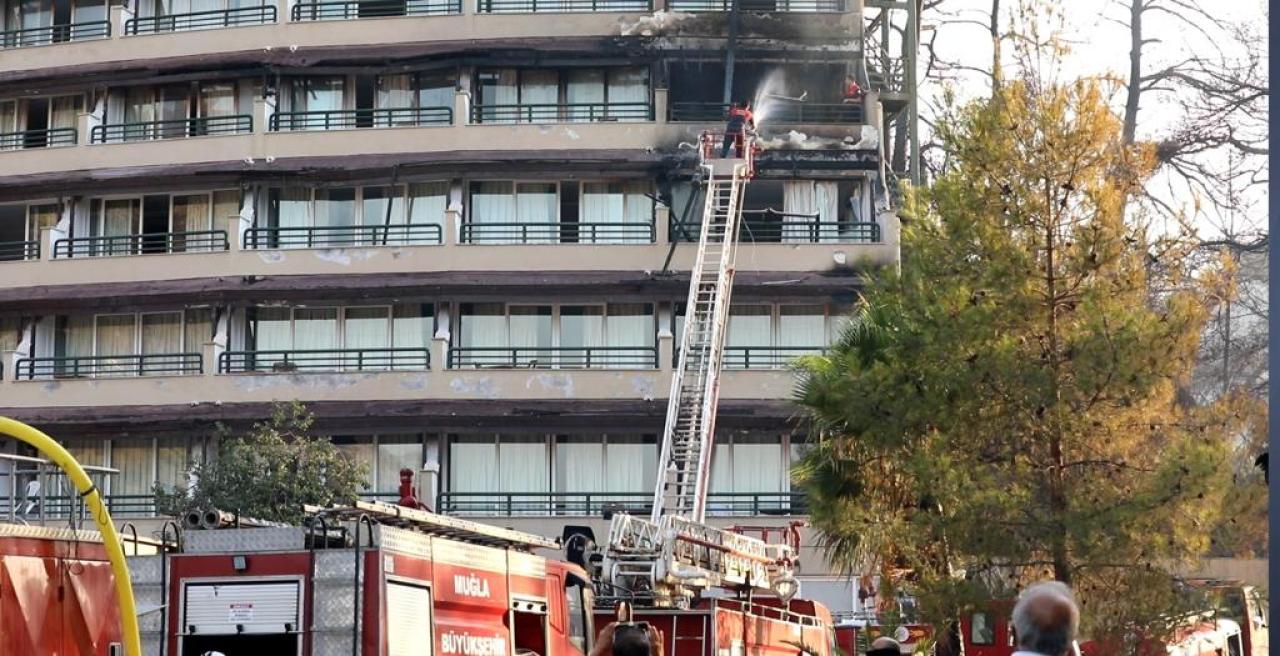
[{"x": 578, "y": 606}]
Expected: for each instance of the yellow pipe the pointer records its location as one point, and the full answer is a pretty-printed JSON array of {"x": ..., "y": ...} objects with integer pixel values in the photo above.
[{"x": 93, "y": 498}]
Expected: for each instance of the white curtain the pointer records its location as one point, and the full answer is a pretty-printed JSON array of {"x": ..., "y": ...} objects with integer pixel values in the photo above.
[
  {"x": 65, "y": 111},
  {"x": 500, "y": 96},
  {"x": 530, "y": 334},
  {"x": 218, "y": 99},
  {"x": 427, "y": 203},
  {"x": 368, "y": 328},
  {"x": 631, "y": 464},
  {"x": 411, "y": 328},
  {"x": 293, "y": 211},
  {"x": 473, "y": 465},
  {"x": 173, "y": 459},
  {"x": 581, "y": 328},
  {"x": 197, "y": 329},
  {"x": 359, "y": 449},
  {"x": 395, "y": 92},
  {"x": 826, "y": 200},
  {"x": 631, "y": 325},
  {"x": 335, "y": 208},
  {"x": 628, "y": 87},
  {"x": 639, "y": 206},
  {"x": 799, "y": 204},
  {"x": 133, "y": 458},
  {"x": 8, "y": 116},
  {"x": 584, "y": 87},
  {"x": 77, "y": 338},
  {"x": 801, "y": 330},
  {"x": 524, "y": 466},
  {"x": 114, "y": 340},
  {"x": 482, "y": 326},
  {"x": 536, "y": 207},
  {"x": 493, "y": 203},
  {"x": 539, "y": 94},
  {"x": 161, "y": 334},
  {"x": 316, "y": 329},
  {"x": 758, "y": 464},
  {"x": 580, "y": 464},
  {"x": 750, "y": 338},
  {"x": 191, "y": 214},
  {"x": 382, "y": 207},
  {"x": 396, "y": 452}
]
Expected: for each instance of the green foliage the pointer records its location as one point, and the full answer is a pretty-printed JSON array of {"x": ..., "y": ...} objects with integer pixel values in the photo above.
[
  {"x": 270, "y": 471},
  {"x": 1005, "y": 408}
]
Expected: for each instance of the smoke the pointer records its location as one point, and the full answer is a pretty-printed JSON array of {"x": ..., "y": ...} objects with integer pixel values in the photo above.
[{"x": 769, "y": 94}]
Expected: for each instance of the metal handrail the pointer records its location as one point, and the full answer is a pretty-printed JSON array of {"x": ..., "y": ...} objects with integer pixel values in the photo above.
[
  {"x": 14, "y": 251},
  {"x": 787, "y": 230},
  {"x": 197, "y": 20},
  {"x": 404, "y": 234},
  {"x": 172, "y": 129},
  {"x": 558, "y": 233},
  {"x": 324, "y": 360},
  {"x": 47, "y": 138},
  {"x": 93, "y": 366},
  {"x": 352, "y": 9},
  {"x": 561, "y": 6},
  {"x": 595, "y": 503},
  {"x": 344, "y": 119},
  {"x": 766, "y": 357},
  {"x": 201, "y": 241},
  {"x": 562, "y": 112},
  {"x": 63, "y": 505},
  {"x": 796, "y": 6},
  {"x": 559, "y": 357},
  {"x": 39, "y": 36},
  {"x": 778, "y": 112}
]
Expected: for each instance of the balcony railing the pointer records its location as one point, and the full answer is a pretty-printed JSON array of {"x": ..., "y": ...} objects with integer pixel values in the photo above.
[
  {"x": 564, "y": 357},
  {"x": 39, "y": 36},
  {"x": 797, "y": 6},
  {"x": 592, "y": 504},
  {"x": 774, "y": 112},
  {"x": 766, "y": 357},
  {"x": 768, "y": 226},
  {"x": 12, "y": 251},
  {"x": 172, "y": 129},
  {"x": 311, "y": 11},
  {"x": 60, "y": 506},
  {"x": 202, "y": 20},
  {"x": 324, "y": 360},
  {"x": 558, "y": 233},
  {"x": 346, "y": 119},
  {"x": 562, "y": 113},
  {"x": 561, "y": 6},
  {"x": 416, "y": 234},
  {"x": 101, "y": 366},
  {"x": 48, "y": 138},
  {"x": 143, "y": 244}
]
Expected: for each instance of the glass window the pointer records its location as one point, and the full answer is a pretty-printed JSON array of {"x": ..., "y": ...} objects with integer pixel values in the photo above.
[
  {"x": 335, "y": 207},
  {"x": 537, "y": 210},
  {"x": 801, "y": 329},
  {"x": 359, "y": 449},
  {"x": 162, "y": 342},
  {"x": 631, "y": 325},
  {"x": 316, "y": 94},
  {"x": 316, "y": 330},
  {"x": 396, "y": 452},
  {"x": 482, "y": 325},
  {"x": 436, "y": 89},
  {"x": 411, "y": 327},
  {"x": 41, "y": 216},
  {"x": 197, "y": 330},
  {"x": 628, "y": 86},
  {"x": 582, "y": 329},
  {"x": 10, "y": 333},
  {"x": 368, "y": 328},
  {"x": 174, "y": 457},
  {"x": 498, "y": 95},
  {"x": 631, "y": 464},
  {"x": 749, "y": 342},
  {"x": 133, "y": 457},
  {"x": 530, "y": 334},
  {"x": 580, "y": 464},
  {"x": 113, "y": 342},
  {"x": 578, "y": 609},
  {"x": 427, "y": 204},
  {"x": 524, "y": 466},
  {"x": 981, "y": 631}
]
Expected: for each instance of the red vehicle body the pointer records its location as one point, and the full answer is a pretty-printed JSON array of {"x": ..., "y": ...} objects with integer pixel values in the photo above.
[
  {"x": 734, "y": 627},
  {"x": 52, "y": 586}
]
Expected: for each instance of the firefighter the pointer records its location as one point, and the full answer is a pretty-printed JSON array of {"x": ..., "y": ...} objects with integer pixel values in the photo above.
[
  {"x": 852, "y": 92},
  {"x": 740, "y": 120},
  {"x": 628, "y": 643}
]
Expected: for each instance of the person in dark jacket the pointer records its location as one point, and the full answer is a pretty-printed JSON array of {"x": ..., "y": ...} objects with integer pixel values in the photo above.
[{"x": 740, "y": 120}]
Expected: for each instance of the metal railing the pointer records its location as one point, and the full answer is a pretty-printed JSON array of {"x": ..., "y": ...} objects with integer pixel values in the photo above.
[
  {"x": 14, "y": 251},
  {"x": 202, "y": 20},
  {"x": 47, "y": 138},
  {"x": 775, "y": 112},
  {"x": 346, "y": 119},
  {"x": 39, "y": 36},
  {"x": 558, "y": 233},
  {"x": 203, "y": 241},
  {"x": 505, "y": 504},
  {"x": 348, "y": 9},
  {"x": 172, "y": 129},
  {"x": 797, "y": 6},
  {"x": 99, "y": 366},
  {"x": 786, "y": 229},
  {"x": 561, "y": 6},
  {"x": 563, "y": 357},
  {"x": 766, "y": 357},
  {"x": 562, "y": 113},
  {"x": 324, "y": 360},
  {"x": 414, "y": 234}
]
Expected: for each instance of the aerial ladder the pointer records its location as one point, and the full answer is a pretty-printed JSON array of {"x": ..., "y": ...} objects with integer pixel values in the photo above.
[{"x": 669, "y": 557}]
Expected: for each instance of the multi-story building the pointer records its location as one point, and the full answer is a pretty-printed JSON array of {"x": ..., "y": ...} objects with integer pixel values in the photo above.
[{"x": 457, "y": 231}]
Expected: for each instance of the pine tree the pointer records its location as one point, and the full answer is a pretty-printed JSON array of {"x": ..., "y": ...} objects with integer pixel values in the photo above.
[{"x": 1007, "y": 407}]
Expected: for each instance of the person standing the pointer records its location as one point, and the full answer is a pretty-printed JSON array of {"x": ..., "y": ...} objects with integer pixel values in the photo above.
[
  {"x": 852, "y": 92},
  {"x": 1046, "y": 620},
  {"x": 740, "y": 120}
]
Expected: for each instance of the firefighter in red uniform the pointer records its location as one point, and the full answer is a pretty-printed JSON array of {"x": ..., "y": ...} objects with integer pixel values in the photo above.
[
  {"x": 740, "y": 120},
  {"x": 852, "y": 92}
]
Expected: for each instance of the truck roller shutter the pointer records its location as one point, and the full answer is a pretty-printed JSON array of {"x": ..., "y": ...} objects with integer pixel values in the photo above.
[
  {"x": 256, "y": 607},
  {"x": 408, "y": 620}
]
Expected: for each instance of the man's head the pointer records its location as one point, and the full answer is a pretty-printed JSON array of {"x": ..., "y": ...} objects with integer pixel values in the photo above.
[
  {"x": 630, "y": 640},
  {"x": 1046, "y": 619},
  {"x": 884, "y": 646}
]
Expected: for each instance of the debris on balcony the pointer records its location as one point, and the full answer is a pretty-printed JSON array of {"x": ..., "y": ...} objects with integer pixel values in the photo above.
[{"x": 794, "y": 140}]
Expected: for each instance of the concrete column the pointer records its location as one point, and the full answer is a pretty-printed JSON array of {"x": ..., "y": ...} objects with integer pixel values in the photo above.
[
  {"x": 84, "y": 127},
  {"x": 119, "y": 16},
  {"x": 209, "y": 352},
  {"x": 10, "y": 360},
  {"x": 666, "y": 351},
  {"x": 450, "y": 231},
  {"x": 660, "y": 97},
  {"x": 662, "y": 225},
  {"x": 440, "y": 340},
  {"x": 47, "y": 237},
  {"x": 461, "y": 107},
  {"x": 235, "y": 235},
  {"x": 284, "y": 11}
]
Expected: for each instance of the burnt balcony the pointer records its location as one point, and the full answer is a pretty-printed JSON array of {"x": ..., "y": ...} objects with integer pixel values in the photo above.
[
  {"x": 172, "y": 129},
  {"x": 769, "y": 226},
  {"x": 42, "y": 36},
  {"x": 350, "y": 119},
  {"x": 547, "y": 357},
  {"x": 798, "y": 113},
  {"x": 562, "y": 113},
  {"x": 44, "y": 138},
  {"x": 352, "y": 9},
  {"x": 796, "y": 6},
  {"x": 201, "y": 20},
  {"x": 558, "y": 233},
  {"x": 110, "y": 366},
  {"x": 594, "y": 504},
  {"x": 766, "y": 357},
  {"x": 424, "y": 234},
  {"x": 324, "y": 360},
  {"x": 17, "y": 251},
  {"x": 562, "y": 6},
  {"x": 203, "y": 241}
]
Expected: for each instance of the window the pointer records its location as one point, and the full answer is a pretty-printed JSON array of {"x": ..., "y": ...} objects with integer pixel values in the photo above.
[
  {"x": 509, "y": 474},
  {"x": 624, "y": 464},
  {"x": 981, "y": 630},
  {"x": 771, "y": 336},
  {"x": 397, "y": 215},
  {"x": 548, "y": 95},
  {"x": 578, "y": 607},
  {"x": 614, "y": 335},
  {"x": 746, "y": 464},
  {"x": 333, "y": 338},
  {"x": 161, "y": 338},
  {"x": 612, "y": 210},
  {"x": 318, "y": 94}
]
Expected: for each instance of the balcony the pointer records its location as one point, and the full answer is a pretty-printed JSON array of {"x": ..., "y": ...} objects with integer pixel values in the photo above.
[
  {"x": 343, "y": 236},
  {"x": 776, "y": 113},
  {"x": 18, "y": 251},
  {"x": 110, "y": 366},
  {"x": 594, "y": 504},
  {"x": 349, "y": 9},
  {"x": 348, "y": 119},
  {"x": 796, "y": 6},
  {"x": 562, "y": 113},
  {"x": 562, "y": 6},
  {"x": 324, "y": 360},
  {"x": 558, "y": 233},
  {"x": 142, "y": 244},
  {"x": 201, "y": 20},
  {"x": 565, "y": 357},
  {"x": 41, "y": 36},
  {"x": 768, "y": 226},
  {"x": 171, "y": 129},
  {"x": 47, "y": 138},
  {"x": 766, "y": 357}
]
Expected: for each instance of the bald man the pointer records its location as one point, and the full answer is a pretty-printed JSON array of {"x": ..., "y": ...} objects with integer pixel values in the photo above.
[
  {"x": 884, "y": 646},
  {"x": 1046, "y": 620}
]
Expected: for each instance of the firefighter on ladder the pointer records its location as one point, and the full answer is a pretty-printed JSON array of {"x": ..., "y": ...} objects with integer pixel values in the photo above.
[{"x": 740, "y": 120}]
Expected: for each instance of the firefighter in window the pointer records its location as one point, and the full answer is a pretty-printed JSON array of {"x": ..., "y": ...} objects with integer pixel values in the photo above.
[
  {"x": 740, "y": 120},
  {"x": 852, "y": 92}
]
